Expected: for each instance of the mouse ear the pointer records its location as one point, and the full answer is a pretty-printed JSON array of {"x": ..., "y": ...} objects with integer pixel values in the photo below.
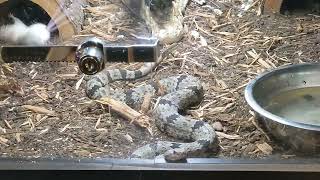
[
  {"x": 15, "y": 19},
  {"x": 11, "y": 16}
]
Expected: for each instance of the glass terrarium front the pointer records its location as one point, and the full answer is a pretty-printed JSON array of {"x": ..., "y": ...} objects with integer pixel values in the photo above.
[{"x": 183, "y": 98}]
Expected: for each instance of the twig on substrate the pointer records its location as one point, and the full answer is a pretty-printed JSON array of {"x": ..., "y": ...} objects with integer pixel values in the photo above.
[
  {"x": 127, "y": 112},
  {"x": 7, "y": 124},
  {"x": 227, "y": 136},
  {"x": 4, "y": 141},
  {"x": 41, "y": 120},
  {"x": 145, "y": 106}
]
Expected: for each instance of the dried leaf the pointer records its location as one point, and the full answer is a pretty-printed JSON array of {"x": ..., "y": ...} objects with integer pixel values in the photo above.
[
  {"x": 38, "y": 109},
  {"x": 265, "y": 148}
]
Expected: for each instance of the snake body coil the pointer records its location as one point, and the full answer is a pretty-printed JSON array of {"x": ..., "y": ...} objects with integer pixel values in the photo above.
[{"x": 180, "y": 92}]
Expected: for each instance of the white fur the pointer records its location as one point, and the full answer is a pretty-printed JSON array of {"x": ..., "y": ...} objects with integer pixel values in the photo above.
[
  {"x": 36, "y": 34},
  {"x": 20, "y": 34}
]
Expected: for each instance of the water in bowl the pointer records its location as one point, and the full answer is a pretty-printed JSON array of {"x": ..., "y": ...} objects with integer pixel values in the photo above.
[{"x": 300, "y": 105}]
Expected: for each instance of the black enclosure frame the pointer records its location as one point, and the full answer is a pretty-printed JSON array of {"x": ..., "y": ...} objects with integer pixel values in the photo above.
[
  {"x": 207, "y": 164},
  {"x": 158, "y": 169}
]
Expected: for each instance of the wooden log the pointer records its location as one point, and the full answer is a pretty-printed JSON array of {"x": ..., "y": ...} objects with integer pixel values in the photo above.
[
  {"x": 291, "y": 6},
  {"x": 272, "y": 6},
  {"x": 67, "y": 15}
]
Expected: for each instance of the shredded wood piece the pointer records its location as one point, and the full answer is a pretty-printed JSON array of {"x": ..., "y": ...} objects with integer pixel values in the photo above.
[
  {"x": 127, "y": 112},
  {"x": 146, "y": 103},
  {"x": 38, "y": 109},
  {"x": 4, "y": 141},
  {"x": 265, "y": 148},
  {"x": 227, "y": 136}
]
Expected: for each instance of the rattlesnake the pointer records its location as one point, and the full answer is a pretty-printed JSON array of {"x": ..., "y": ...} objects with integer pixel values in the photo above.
[{"x": 180, "y": 92}]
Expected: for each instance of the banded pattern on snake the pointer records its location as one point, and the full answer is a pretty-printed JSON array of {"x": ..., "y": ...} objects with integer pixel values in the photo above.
[{"x": 181, "y": 92}]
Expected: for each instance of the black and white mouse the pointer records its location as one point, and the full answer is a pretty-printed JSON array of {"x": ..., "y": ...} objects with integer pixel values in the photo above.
[{"x": 19, "y": 33}]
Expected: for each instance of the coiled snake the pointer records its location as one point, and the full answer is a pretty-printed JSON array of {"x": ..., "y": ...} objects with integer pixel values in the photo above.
[{"x": 181, "y": 92}]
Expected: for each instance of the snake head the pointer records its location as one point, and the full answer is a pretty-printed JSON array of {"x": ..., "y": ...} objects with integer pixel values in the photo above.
[{"x": 173, "y": 156}]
